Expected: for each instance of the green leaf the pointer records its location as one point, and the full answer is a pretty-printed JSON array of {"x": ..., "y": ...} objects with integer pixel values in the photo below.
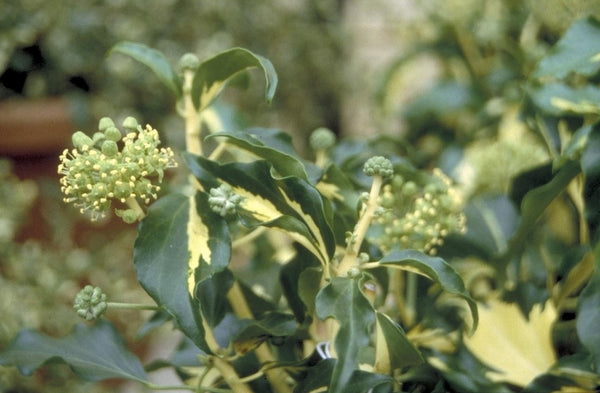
[
  {"x": 94, "y": 353},
  {"x": 590, "y": 165},
  {"x": 393, "y": 349},
  {"x": 491, "y": 220},
  {"x": 300, "y": 278},
  {"x": 588, "y": 310},
  {"x": 289, "y": 204},
  {"x": 344, "y": 300},
  {"x": 536, "y": 201},
  {"x": 175, "y": 248},
  {"x": 155, "y": 60},
  {"x": 211, "y": 292},
  {"x": 559, "y": 99},
  {"x": 434, "y": 268},
  {"x": 274, "y": 146},
  {"x": 255, "y": 332},
  {"x": 577, "y": 51},
  {"x": 213, "y": 74}
]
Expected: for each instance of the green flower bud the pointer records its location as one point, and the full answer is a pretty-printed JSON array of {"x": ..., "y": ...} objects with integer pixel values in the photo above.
[
  {"x": 110, "y": 148},
  {"x": 90, "y": 303},
  {"x": 80, "y": 139},
  {"x": 409, "y": 189},
  {"x": 98, "y": 136},
  {"x": 104, "y": 123},
  {"x": 322, "y": 139},
  {"x": 129, "y": 216},
  {"x": 130, "y": 123},
  {"x": 379, "y": 166},
  {"x": 189, "y": 62},
  {"x": 223, "y": 200},
  {"x": 113, "y": 134}
]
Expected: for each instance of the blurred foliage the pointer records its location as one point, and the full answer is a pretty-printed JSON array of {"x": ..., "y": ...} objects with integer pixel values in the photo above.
[
  {"x": 60, "y": 47},
  {"x": 40, "y": 277}
]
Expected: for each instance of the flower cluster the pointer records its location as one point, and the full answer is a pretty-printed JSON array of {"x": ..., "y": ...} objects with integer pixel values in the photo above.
[
  {"x": 95, "y": 172},
  {"x": 379, "y": 166},
  {"x": 90, "y": 303},
  {"x": 419, "y": 213}
]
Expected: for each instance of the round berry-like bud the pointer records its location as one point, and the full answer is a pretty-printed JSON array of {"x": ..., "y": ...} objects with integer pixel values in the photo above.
[
  {"x": 98, "y": 136},
  {"x": 113, "y": 134},
  {"x": 90, "y": 303},
  {"x": 379, "y": 166},
  {"x": 130, "y": 123},
  {"x": 189, "y": 62},
  {"x": 409, "y": 189},
  {"x": 80, "y": 139},
  {"x": 110, "y": 148},
  {"x": 104, "y": 123},
  {"x": 322, "y": 139}
]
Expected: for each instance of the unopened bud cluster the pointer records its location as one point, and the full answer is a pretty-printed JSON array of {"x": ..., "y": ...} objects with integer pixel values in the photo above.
[
  {"x": 223, "y": 200},
  {"x": 90, "y": 303},
  {"x": 107, "y": 167},
  {"x": 419, "y": 214}
]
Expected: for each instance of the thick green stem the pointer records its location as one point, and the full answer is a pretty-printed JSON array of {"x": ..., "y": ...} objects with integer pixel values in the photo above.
[{"x": 360, "y": 231}]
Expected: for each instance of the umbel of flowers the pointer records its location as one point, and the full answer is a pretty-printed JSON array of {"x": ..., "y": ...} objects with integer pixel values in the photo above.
[
  {"x": 420, "y": 211},
  {"x": 108, "y": 167}
]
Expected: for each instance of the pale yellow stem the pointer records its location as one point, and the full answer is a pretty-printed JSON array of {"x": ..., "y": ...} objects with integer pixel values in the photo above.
[
  {"x": 276, "y": 376},
  {"x": 360, "y": 231},
  {"x": 191, "y": 116},
  {"x": 133, "y": 204}
]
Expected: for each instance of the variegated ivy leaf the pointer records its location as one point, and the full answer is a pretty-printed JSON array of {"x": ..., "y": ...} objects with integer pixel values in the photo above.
[
  {"x": 289, "y": 204},
  {"x": 213, "y": 74},
  {"x": 274, "y": 146},
  {"x": 393, "y": 350},
  {"x": 180, "y": 242}
]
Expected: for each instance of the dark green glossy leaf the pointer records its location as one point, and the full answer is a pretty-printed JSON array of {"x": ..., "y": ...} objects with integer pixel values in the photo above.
[
  {"x": 290, "y": 204},
  {"x": 274, "y": 146},
  {"x": 558, "y": 99},
  {"x": 273, "y": 324},
  {"x": 155, "y": 60},
  {"x": 93, "y": 352},
  {"x": 344, "y": 300},
  {"x": 588, "y": 310},
  {"x": 393, "y": 349},
  {"x": 491, "y": 221},
  {"x": 434, "y": 268},
  {"x": 175, "y": 247},
  {"x": 577, "y": 51},
  {"x": 537, "y": 200},
  {"x": 300, "y": 278},
  {"x": 211, "y": 292},
  {"x": 213, "y": 75}
]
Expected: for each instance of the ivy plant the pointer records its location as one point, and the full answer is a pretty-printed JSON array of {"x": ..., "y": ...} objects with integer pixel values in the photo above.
[{"x": 346, "y": 269}]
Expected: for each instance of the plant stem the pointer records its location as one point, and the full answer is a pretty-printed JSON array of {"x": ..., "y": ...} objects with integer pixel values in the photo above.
[
  {"x": 132, "y": 306},
  {"x": 191, "y": 116},
  {"x": 133, "y": 204},
  {"x": 360, "y": 231},
  {"x": 230, "y": 375},
  {"x": 247, "y": 238},
  {"x": 277, "y": 377}
]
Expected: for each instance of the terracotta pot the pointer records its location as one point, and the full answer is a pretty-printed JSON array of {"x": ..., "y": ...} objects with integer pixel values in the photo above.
[{"x": 35, "y": 127}]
